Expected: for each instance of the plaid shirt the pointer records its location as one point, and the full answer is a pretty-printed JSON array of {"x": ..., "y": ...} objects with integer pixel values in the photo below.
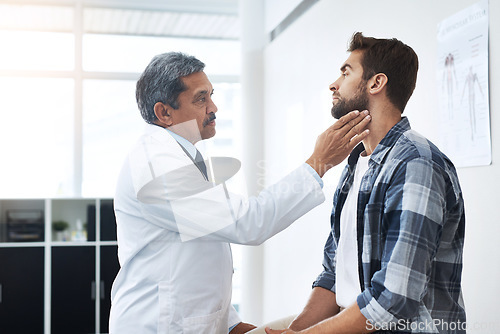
[{"x": 410, "y": 230}]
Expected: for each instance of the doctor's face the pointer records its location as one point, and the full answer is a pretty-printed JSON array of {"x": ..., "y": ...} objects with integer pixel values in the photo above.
[
  {"x": 349, "y": 90},
  {"x": 192, "y": 119}
]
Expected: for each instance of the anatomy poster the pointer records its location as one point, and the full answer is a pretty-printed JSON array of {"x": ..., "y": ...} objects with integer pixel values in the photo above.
[{"x": 462, "y": 77}]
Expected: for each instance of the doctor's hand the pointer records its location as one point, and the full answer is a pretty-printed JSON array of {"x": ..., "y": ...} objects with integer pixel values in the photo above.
[
  {"x": 335, "y": 144},
  {"x": 242, "y": 328}
]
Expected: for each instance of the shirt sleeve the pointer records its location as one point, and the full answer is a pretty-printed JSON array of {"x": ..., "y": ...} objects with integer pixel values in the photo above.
[
  {"x": 315, "y": 174},
  {"x": 233, "y": 319},
  {"x": 413, "y": 214},
  {"x": 184, "y": 203},
  {"x": 327, "y": 277}
]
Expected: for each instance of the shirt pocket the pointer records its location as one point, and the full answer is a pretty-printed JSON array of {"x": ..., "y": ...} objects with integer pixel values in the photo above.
[{"x": 208, "y": 324}]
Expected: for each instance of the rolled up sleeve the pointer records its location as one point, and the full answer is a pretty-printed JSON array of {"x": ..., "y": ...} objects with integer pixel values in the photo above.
[{"x": 327, "y": 279}]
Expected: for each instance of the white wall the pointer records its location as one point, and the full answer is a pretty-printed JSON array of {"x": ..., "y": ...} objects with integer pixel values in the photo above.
[
  {"x": 277, "y": 10},
  {"x": 298, "y": 67}
]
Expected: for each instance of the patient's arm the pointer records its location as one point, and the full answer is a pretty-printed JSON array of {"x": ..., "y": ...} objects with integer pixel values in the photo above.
[
  {"x": 349, "y": 321},
  {"x": 322, "y": 304}
]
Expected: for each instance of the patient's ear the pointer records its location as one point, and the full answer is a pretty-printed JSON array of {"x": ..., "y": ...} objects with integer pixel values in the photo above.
[
  {"x": 162, "y": 112},
  {"x": 377, "y": 83}
]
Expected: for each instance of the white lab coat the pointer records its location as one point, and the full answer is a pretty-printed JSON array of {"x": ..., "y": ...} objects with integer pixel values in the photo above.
[{"x": 174, "y": 278}]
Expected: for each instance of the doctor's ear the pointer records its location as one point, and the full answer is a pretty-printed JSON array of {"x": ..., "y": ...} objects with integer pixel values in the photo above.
[
  {"x": 377, "y": 83},
  {"x": 163, "y": 113}
]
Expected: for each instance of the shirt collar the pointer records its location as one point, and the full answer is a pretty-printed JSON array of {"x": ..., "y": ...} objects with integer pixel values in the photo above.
[
  {"x": 186, "y": 144},
  {"x": 385, "y": 144}
]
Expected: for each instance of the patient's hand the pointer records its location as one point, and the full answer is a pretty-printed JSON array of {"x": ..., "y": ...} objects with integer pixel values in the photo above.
[{"x": 242, "y": 328}]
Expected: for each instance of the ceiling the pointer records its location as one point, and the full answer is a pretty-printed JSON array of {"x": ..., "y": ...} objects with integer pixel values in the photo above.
[{"x": 217, "y": 19}]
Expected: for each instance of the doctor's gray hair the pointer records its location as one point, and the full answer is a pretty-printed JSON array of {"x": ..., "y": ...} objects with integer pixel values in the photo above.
[{"x": 161, "y": 81}]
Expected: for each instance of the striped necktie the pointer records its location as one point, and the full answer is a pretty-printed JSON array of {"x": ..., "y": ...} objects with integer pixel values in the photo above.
[{"x": 200, "y": 163}]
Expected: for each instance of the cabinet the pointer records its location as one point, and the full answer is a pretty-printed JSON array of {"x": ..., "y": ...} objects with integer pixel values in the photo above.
[
  {"x": 21, "y": 290},
  {"x": 73, "y": 305},
  {"x": 109, "y": 268},
  {"x": 53, "y": 282}
]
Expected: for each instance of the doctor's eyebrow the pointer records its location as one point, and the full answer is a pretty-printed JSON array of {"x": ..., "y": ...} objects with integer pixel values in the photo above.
[{"x": 202, "y": 93}]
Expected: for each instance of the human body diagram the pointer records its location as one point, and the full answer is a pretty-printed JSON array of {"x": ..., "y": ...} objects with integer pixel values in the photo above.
[{"x": 471, "y": 80}]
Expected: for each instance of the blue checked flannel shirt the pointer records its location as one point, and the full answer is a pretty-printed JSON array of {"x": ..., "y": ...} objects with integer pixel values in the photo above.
[{"x": 410, "y": 227}]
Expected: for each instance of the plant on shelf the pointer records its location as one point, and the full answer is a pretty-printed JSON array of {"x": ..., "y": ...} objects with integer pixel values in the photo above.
[{"x": 59, "y": 226}]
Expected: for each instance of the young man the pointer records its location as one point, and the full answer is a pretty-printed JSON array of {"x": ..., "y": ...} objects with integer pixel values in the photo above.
[
  {"x": 174, "y": 223},
  {"x": 393, "y": 260}
]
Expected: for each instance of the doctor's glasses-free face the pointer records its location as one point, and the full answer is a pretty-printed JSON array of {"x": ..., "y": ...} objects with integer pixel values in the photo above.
[{"x": 195, "y": 103}]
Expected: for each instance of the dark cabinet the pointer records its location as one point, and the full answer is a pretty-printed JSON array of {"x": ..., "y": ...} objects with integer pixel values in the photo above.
[
  {"x": 109, "y": 269},
  {"x": 107, "y": 221},
  {"x": 22, "y": 290},
  {"x": 73, "y": 290},
  {"x": 52, "y": 285}
]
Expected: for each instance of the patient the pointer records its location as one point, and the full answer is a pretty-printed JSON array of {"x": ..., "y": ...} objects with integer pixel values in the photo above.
[{"x": 393, "y": 259}]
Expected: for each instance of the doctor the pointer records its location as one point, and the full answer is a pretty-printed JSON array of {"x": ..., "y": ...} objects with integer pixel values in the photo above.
[{"x": 175, "y": 223}]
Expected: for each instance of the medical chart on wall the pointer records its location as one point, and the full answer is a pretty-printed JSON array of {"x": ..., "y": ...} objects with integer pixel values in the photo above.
[{"x": 462, "y": 82}]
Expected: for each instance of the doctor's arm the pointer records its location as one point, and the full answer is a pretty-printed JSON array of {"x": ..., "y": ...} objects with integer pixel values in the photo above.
[
  {"x": 196, "y": 209},
  {"x": 279, "y": 205}
]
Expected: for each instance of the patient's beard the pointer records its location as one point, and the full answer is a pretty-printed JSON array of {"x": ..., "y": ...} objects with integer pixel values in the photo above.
[{"x": 359, "y": 102}]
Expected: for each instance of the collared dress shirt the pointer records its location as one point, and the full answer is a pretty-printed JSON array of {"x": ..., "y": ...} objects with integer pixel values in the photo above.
[
  {"x": 410, "y": 230},
  {"x": 186, "y": 144}
]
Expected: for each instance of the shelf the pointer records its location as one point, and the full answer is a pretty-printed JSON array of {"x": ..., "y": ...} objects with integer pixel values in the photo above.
[
  {"x": 83, "y": 243},
  {"x": 55, "y": 275},
  {"x": 21, "y": 220},
  {"x": 28, "y": 222},
  {"x": 21, "y": 244}
]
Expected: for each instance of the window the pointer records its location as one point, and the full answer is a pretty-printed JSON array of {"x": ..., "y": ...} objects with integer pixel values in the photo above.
[
  {"x": 117, "y": 53},
  {"x": 67, "y": 75},
  {"x": 36, "y": 50},
  {"x": 111, "y": 124},
  {"x": 36, "y": 137}
]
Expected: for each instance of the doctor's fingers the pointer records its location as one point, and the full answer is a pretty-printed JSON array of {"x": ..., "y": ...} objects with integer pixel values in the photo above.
[
  {"x": 356, "y": 139},
  {"x": 358, "y": 132},
  {"x": 352, "y": 133},
  {"x": 349, "y": 121}
]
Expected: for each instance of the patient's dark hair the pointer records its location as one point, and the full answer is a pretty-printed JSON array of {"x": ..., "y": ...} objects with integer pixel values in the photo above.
[{"x": 392, "y": 57}]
